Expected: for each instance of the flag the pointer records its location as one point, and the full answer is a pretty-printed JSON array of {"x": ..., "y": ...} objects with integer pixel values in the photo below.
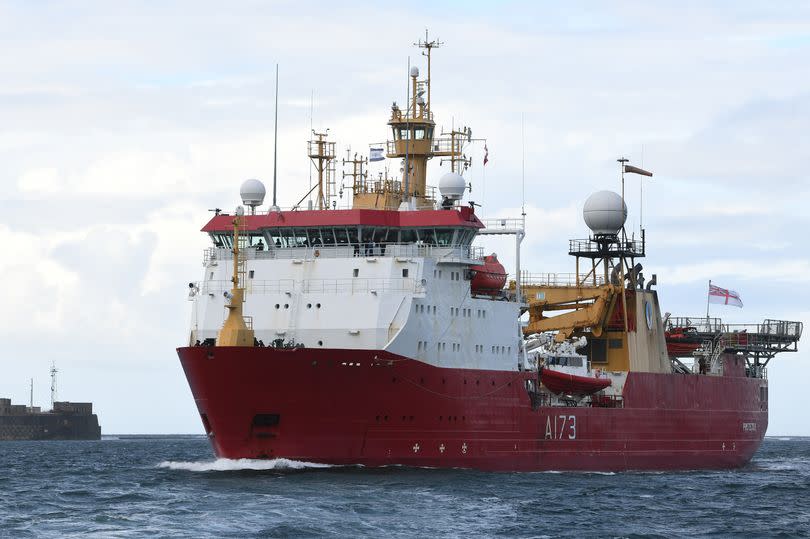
[
  {"x": 376, "y": 154},
  {"x": 723, "y": 296},
  {"x": 486, "y": 154}
]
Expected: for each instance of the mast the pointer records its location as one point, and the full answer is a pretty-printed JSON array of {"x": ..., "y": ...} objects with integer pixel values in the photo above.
[
  {"x": 53, "y": 383},
  {"x": 414, "y": 140},
  {"x": 236, "y": 331},
  {"x": 428, "y": 45},
  {"x": 275, "y": 147},
  {"x": 358, "y": 174},
  {"x": 322, "y": 154},
  {"x": 31, "y": 401}
]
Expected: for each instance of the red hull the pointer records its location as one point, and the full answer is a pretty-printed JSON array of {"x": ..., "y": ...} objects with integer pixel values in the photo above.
[{"x": 375, "y": 408}]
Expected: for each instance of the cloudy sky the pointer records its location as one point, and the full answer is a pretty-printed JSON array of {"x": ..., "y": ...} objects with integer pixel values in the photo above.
[{"x": 121, "y": 124}]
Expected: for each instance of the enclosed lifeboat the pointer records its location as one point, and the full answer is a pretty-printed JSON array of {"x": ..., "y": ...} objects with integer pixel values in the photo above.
[
  {"x": 488, "y": 278},
  {"x": 683, "y": 341},
  {"x": 571, "y": 384}
]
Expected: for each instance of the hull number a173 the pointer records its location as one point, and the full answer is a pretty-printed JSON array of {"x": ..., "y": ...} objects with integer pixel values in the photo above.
[{"x": 561, "y": 427}]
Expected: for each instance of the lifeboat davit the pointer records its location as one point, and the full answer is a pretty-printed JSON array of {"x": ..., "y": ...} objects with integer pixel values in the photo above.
[
  {"x": 570, "y": 384},
  {"x": 489, "y": 277}
]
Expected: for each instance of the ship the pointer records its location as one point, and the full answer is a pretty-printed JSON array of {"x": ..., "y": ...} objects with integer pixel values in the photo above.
[
  {"x": 380, "y": 334},
  {"x": 64, "y": 421}
]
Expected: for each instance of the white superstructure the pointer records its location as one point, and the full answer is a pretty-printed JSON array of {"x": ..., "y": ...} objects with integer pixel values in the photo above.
[{"x": 405, "y": 289}]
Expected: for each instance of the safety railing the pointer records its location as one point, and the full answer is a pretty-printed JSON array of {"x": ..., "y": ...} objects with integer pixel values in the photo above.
[
  {"x": 615, "y": 247},
  {"x": 468, "y": 253},
  {"x": 325, "y": 286},
  {"x": 700, "y": 324},
  {"x": 511, "y": 223},
  {"x": 559, "y": 279}
]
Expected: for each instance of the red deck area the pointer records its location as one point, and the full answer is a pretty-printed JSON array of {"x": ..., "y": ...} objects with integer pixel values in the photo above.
[{"x": 375, "y": 408}]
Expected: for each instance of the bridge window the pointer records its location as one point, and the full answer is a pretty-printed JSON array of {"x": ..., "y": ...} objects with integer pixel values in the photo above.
[
  {"x": 408, "y": 235},
  {"x": 341, "y": 237},
  {"x": 444, "y": 237},
  {"x": 419, "y": 133}
]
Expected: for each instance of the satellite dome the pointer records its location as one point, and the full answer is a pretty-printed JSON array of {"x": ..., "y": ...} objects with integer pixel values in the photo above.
[
  {"x": 452, "y": 186},
  {"x": 605, "y": 212},
  {"x": 252, "y": 192},
  {"x": 414, "y": 71}
]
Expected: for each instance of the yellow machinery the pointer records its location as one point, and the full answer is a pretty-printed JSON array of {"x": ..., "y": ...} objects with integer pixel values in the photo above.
[
  {"x": 586, "y": 308},
  {"x": 236, "y": 331}
]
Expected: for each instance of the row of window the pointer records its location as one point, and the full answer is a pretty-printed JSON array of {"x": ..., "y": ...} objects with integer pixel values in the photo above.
[
  {"x": 416, "y": 133},
  {"x": 454, "y": 311},
  {"x": 347, "y": 235},
  {"x": 454, "y": 275},
  {"x": 420, "y": 308},
  {"x": 422, "y": 346}
]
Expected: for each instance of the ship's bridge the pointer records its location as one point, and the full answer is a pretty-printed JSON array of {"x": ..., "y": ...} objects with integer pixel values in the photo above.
[{"x": 442, "y": 234}]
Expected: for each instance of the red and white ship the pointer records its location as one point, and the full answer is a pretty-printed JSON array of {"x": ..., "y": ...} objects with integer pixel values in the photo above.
[{"x": 380, "y": 334}]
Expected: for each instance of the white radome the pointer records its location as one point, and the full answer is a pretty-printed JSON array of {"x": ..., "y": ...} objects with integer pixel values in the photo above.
[
  {"x": 414, "y": 71},
  {"x": 605, "y": 212},
  {"x": 452, "y": 186},
  {"x": 252, "y": 192}
]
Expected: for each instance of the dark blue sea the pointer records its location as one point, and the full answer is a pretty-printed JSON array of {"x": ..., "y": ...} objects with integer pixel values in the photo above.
[{"x": 164, "y": 486}]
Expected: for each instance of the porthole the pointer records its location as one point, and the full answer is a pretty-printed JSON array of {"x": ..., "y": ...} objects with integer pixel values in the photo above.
[
  {"x": 318, "y": 305},
  {"x": 320, "y": 343},
  {"x": 309, "y": 305},
  {"x": 277, "y": 305},
  {"x": 286, "y": 305}
]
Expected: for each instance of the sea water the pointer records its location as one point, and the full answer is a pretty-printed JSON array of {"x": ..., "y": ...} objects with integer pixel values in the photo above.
[{"x": 172, "y": 486}]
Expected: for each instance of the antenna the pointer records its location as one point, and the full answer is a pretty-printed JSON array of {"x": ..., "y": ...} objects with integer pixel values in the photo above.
[
  {"x": 53, "y": 383},
  {"x": 641, "y": 195},
  {"x": 311, "y": 130},
  {"x": 408, "y": 145},
  {"x": 31, "y": 405},
  {"x": 522, "y": 166},
  {"x": 428, "y": 46},
  {"x": 275, "y": 148}
]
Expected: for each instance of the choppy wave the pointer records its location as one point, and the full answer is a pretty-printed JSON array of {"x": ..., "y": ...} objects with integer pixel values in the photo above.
[
  {"x": 172, "y": 486},
  {"x": 232, "y": 465}
]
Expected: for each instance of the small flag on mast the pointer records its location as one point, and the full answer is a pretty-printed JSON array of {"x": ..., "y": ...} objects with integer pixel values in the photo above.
[
  {"x": 486, "y": 154},
  {"x": 723, "y": 296},
  {"x": 376, "y": 154}
]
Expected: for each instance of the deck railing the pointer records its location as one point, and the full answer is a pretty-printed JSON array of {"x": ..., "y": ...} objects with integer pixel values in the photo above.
[
  {"x": 467, "y": 253},
  {"x": 321, "y": 286},
  {"x": 558, "y": 279}
]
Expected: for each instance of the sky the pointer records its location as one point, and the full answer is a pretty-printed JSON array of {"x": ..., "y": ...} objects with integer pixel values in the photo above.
[{"x": 122, "y": 124}]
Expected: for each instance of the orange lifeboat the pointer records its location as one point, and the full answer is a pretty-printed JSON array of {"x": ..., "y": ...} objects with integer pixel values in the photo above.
[
  {"x": 489, "y": 277},
  {"x": 570, "y": 384}
]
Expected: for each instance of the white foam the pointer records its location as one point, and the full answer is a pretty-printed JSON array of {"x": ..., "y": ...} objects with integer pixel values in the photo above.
[{"x": 228, "y": 465}]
